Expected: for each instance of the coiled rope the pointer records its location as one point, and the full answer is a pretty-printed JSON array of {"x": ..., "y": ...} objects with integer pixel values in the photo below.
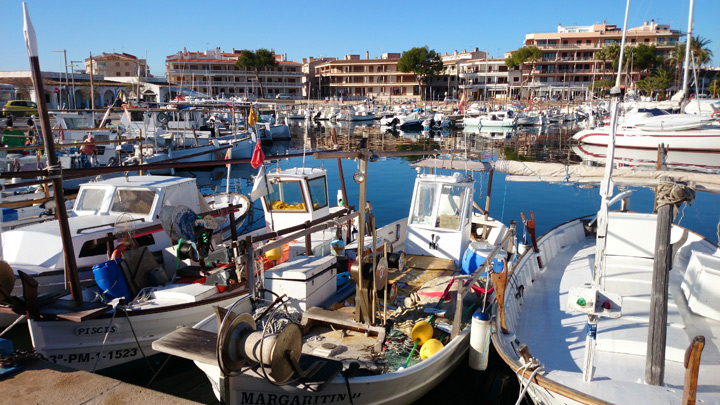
[{"x": 674, "y": 193}]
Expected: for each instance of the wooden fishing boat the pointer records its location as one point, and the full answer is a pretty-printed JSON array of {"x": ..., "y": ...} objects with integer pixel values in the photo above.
[{"x": 334, "y": 347}]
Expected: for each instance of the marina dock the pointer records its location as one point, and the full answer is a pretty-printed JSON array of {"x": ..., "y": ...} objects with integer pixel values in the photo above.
[{"x": 42, "y": 382}]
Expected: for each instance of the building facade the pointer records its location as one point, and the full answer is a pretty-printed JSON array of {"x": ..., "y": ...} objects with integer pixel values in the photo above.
[
  {"x": 569, "y": 62},
  {"x": 354, "y": 77},
  {"x": 117, "y": 64},
  {"x": 488, "y": 78},
  {"x": 214, "y": 73}
]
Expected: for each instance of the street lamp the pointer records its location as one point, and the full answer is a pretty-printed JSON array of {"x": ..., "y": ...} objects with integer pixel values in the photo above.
[
  {"x": 72, "y": 73},
  {"x": 67, "y": 85}
]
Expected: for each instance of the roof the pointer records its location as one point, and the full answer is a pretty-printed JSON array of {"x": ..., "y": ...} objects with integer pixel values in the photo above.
[{"x": 142, "y": 181}]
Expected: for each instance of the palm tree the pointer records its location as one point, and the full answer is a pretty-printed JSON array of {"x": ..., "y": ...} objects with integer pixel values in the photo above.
[{"x": 699, "y": 48}]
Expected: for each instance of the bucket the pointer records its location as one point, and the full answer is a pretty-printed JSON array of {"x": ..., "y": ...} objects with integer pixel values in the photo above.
[{"x": 110, "y": 278}]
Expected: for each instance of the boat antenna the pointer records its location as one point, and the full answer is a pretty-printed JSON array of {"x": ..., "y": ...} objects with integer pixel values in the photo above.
[{"x": 305, "y": 135}]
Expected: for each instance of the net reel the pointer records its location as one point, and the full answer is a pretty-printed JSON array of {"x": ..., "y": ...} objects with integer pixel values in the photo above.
[{"x": 192, "y": 232}]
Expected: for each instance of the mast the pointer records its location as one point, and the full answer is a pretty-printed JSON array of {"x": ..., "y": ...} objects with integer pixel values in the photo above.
[
  {"x": 686, "y": 69},
  {"x": 606, "y": 190},
  {"x": 54, "y": 168}
]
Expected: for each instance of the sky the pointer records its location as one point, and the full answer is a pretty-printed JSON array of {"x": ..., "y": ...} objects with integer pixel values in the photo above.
[{"x": 334, "y": 28}]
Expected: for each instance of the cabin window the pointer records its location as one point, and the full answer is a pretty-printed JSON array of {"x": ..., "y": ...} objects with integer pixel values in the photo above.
[
  {"x": 286, "y": 196},
  {"x": 423, "y": 205},
  {"x": 133, "y": 201},
  {"x": 318, "y": 192},
  {"x": 76, "y": 123},
  {"x": 90, "y": 199},
  {"x": 92, "y": 248},
  {"x": 450, "y": 207}
]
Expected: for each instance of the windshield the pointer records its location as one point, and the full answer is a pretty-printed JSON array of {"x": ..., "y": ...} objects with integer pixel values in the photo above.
[
  {"x": 423, "y": 204},
  {"x": 318, "y": 193},
  {"x": 90, "y": 199},
  {"x": 450, "y": 207},
  {"x": 286, "y": 196},
  {"x": 133, "y": 201}
]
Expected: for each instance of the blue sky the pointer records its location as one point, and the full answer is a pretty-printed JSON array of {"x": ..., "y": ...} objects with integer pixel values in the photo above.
[{"x": 315, "y": 28}]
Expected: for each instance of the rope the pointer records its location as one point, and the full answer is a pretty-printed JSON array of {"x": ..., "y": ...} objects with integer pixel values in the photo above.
[
  {"x": 502, "y": 213},
  {"x": 672, "y": 193},
  {"x": 107, "y": 333},
  {"x": 15, "y": 322},
  {"x": 525, "y": 388},
  {"x": 137, "y": 342}
]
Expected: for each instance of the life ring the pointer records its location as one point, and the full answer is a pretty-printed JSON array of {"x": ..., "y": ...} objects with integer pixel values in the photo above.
[{"x": 715, "y": 114}]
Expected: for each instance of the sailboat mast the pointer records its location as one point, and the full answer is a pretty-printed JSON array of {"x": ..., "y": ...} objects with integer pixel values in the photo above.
[{"x": 686, "y": 69}]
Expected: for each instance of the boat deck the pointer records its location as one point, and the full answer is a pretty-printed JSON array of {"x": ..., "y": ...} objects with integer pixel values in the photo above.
[{"x": 559, "y": 341}]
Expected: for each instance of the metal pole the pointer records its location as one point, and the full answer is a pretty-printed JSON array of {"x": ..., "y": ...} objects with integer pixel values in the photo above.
[{"x": 688, "y": 45}]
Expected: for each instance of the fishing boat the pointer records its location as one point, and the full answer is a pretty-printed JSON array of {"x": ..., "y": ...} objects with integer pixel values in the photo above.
[
  {"x": 102, "y": 207},
  {"x": 334, "y": 347},
  {"x": 540, "y": 327},
  {"x": 615, "y": 307},
  {"x": 530, "y": 118}
]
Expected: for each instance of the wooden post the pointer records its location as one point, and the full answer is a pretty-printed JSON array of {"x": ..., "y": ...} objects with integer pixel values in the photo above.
[
  {"x": 499, "y": 281},
  {"x": 308, "y": 241},
  {"x": 92, "y": 89},
  {"x": 374, "y": 267},
  {"x": 692, "y": 367},
  {"x": 657, "y": 331},
  {"x": 385, "y": 253},
  {"x": 54, "y": 169},
  {"x": 360, "y": 316}
]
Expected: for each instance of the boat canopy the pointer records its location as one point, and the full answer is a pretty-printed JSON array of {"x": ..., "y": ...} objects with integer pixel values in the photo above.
[
  {"x": 559, "y": 173},
  {"x": 451, "y": 164}
]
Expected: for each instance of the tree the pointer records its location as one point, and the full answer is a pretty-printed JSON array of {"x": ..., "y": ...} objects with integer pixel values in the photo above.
[
  {"x": 521, "y": 56},
  {"x": 601, "y": 86},
  {"x": 611, "y": 53},
  {"x": 423, "y": 62},
  {"x": 256, "y": 61}
]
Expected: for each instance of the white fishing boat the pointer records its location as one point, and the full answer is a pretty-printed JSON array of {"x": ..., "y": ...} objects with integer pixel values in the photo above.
[
  {"x": 103, "y": 207},
  {"x": 331, "y": 355},
  {"x": 540, "y": 331},
  {"x": 618, "y": 307}
]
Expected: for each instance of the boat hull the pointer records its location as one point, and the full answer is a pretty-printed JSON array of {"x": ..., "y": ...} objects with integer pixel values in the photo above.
[
  {"x": 79, "y": 344},
  {"x": 402, "y": 387},
  {"x": 705, "y": 140}
]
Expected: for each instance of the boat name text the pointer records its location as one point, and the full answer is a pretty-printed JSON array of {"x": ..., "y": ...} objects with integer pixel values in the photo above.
[{"x": 287, "y": 399}]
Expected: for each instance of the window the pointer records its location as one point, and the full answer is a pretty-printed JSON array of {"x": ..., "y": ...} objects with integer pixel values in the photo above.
[
  {"x": 450, "y": 207},
  {"x": 318, "y": 192},
  {"x": 286, "y": 196},
  {"x": 133, "y": 201},
  {"x": 90, "y": 199},
  {"x": 423, "y": 205}
]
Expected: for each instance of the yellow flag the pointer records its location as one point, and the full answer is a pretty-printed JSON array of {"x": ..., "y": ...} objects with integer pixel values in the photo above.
[{"x": 251, "y": 117}]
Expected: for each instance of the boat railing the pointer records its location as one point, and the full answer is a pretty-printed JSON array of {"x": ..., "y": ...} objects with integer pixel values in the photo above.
[{"x": 81, "y": 230}]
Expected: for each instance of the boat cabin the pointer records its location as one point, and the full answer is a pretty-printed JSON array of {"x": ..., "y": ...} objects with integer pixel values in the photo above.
[
  {"x": 294, "y": 196},
  {"x": 439, "y": 223},
  {"x": 102, "y": 207}
]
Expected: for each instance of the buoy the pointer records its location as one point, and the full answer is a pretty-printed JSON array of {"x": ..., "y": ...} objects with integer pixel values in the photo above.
[
  {"x": 422, "y": 331},
  {"x": 430, "y": 347},
  {"x": 479, "y": 341},
  {"x": 274, "y": 254}
]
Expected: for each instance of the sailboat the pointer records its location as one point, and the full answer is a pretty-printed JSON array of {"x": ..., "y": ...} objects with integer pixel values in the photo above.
[{"x": 619, "y": 307}]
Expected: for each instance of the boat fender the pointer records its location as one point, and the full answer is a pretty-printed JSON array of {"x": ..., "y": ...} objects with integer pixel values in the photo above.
[
  {"x": 117, "y": 253},
  {"x": 430, "y": 347},
  {"x": 716, "y": 114},
  {"x": 479, "y": 341}
]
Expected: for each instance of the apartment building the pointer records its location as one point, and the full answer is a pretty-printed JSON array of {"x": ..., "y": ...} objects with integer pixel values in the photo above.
[
  {"x": 214, "y": 73},
  {"x": 117, "y": 65},
  {"x": 355, "y": 77},
  {"x": 569, "y": 63},
  {"x": 487, "y": 78},
  {"x": 446, "y": 85}
]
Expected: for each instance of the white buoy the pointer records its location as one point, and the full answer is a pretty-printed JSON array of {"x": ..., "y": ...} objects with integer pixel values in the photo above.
[{"x": 479, "y": 341}]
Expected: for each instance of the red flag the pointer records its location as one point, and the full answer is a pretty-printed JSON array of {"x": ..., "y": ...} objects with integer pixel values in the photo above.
[
  {"x": 257, "y": 157},
  {"x": 228, "y": 155}
]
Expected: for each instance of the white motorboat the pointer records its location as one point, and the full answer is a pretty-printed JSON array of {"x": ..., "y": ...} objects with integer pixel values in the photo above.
[
  {"x": 504, "y": 118},
  {"x": 529, "y": 118},
  {"x": 325, "y": 354},
  {"x": 645, "y": 131}
]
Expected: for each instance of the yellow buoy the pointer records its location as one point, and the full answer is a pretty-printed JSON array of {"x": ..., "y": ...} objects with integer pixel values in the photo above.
[
  {"x": 430, "y": 347},
  {"x": 422, "y": 331},
  {"x": 274, "y": 254}
]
